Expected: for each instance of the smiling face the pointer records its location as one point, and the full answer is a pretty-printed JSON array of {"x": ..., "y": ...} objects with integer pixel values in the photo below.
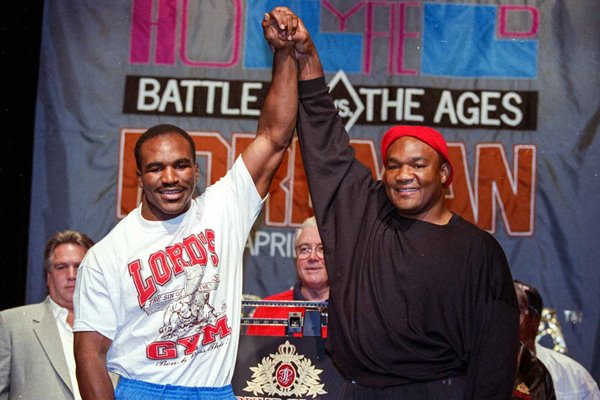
[
  {"x": 311, "y": 266},
  {"x": 167, "y": 176},
  {"x": 413, "y": 179},
  {"x": 61, "y": 274}
]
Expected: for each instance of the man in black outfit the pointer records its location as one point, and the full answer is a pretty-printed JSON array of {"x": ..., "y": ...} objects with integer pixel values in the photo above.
[
  {"x": 533, "y": 379},
  {"x": 422, "y": 304}
]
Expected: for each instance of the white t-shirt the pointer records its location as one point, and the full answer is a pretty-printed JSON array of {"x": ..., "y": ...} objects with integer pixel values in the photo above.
[
  {"x": 571, "y": 380},
  {"x": 168, "y": 293}
]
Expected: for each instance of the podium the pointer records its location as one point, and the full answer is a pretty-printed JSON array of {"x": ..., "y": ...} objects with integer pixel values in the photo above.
[{"x": 286, "y": 367}]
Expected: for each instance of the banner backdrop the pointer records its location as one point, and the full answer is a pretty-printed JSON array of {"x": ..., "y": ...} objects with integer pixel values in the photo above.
[{"x": 512, "y": 84}]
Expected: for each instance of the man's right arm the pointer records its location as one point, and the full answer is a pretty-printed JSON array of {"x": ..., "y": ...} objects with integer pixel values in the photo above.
[{"x": 90, "y": 357}]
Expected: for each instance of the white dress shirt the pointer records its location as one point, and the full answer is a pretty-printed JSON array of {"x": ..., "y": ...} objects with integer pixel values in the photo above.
[{"x": 66, "y": 338}]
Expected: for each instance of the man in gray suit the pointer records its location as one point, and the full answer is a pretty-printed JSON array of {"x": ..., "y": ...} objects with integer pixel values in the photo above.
[{"x": 36, "y": 341}]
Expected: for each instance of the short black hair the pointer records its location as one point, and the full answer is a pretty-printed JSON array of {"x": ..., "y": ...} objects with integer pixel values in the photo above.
[
  {"x": 534, "y": 299},
  {"x": 159, "y": 130}
]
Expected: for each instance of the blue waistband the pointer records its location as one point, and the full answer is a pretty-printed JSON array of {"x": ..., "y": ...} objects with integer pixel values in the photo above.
[{"x": 132, "y": 389}]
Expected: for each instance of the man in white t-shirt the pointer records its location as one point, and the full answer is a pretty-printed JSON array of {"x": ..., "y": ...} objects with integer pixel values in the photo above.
[
  {"x": 571, "y": 380},
  {"x": 158, "y": 299},
  {"x": 36, "y": 340}
]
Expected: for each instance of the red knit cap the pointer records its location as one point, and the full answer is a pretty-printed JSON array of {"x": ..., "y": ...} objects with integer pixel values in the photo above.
[{"x": 426, "y": 135}]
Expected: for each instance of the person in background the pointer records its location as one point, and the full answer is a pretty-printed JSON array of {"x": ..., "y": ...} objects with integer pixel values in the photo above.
[
  {"x": 533, "y": 381},
  {"x": 36, "y": 340},
  {"x": 312, "y": 285},
  {"x": 422, "y": 304},
  {"x": 571, "y": 380}
]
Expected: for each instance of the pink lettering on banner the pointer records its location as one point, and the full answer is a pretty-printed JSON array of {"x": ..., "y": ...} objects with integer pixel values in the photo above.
[
  {"x": 236, "y": 39},
  {"x": 535, "y": 21},
  {"x": 402, "y": 34},
  {"x": 395, "y": 33},
  {"x": 142, "y": 26},
  {"x": 342, "y": 17},
  {"x": 163, "y": 28}
]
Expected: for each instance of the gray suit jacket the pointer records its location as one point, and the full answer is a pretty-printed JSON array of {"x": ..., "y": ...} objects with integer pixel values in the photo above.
[{"x": 32, "y": 363}]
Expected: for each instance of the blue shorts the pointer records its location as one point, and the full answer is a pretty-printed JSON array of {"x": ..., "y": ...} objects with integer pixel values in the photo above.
[{"x": 131, "y": 389}]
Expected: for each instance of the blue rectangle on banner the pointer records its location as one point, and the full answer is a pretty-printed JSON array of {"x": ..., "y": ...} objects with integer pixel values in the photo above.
[
  {"x": 460, "y": 41},
  {"x": 336, "y": 50}
]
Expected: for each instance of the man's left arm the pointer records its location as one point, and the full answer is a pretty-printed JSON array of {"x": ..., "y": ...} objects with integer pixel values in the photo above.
[
  {"x": 278, "y": 118},
  {"x": 495, "y": 337}
]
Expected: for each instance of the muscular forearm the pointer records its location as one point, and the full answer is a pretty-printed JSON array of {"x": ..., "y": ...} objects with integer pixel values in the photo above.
[
  {"x": 94, "y": 381},
  {"x": 276, "y": 124},
  {"x": 90, "y": 358},
  {"x": 309, "y": 66},
  {"x": 278, "y": 115}
]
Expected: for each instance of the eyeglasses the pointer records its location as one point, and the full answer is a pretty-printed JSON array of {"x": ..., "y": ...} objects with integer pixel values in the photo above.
[{"x": 304, "y": 251}]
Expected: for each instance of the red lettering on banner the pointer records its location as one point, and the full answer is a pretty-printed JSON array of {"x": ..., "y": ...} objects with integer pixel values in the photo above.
[
  {"x": 493, "y": 187},
  {"x": 460, "y": 198},
  {"x": 513, "y": 192},
  {"x": 220, "y": 329},
  {"x": 301, "y": 207},
  {"x": 161, "y": 350},
  {"x": 145, "y": 287}
]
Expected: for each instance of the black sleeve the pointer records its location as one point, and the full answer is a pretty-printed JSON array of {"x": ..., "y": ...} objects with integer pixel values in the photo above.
[
  {"x": 495, "y": 337},
  {"x": 339, "y": 185}
]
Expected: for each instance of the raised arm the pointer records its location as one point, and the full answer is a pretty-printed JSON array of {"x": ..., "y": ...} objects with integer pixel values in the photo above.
[
  {"x": 309, "y": 64},
  {"x": 90, "y": 358},
  {"x": 278, "y": 116}
]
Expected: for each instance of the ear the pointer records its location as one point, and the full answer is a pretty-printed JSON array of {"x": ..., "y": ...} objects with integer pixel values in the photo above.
[
  {"x": 138, "y": 174},
  {"x": 196, "y": 172},
  {"x": 444, "y": 172}
]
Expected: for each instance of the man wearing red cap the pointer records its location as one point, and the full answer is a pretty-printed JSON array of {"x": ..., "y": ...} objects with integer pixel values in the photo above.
[{"x": 422, "y": 304}]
